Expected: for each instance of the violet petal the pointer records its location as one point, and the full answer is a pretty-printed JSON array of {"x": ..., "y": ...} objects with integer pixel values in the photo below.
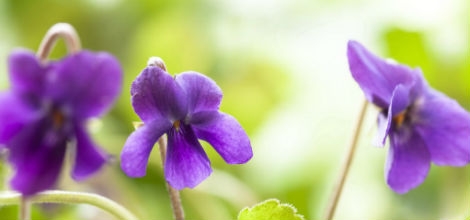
[
  {"x": 226, "y": 135},
  {"x": 88, "y": 157},
  {"x": 14, "y": 115},
  {"x": 186, "y": 162},
  {"x": 136, "y": 151},
  {"x": 408, "y": 160},
  {"x": 377, "y": 77},
  {"x": 156, "y": 94},
  {"x": 445, "y": 127},
  {"x": 399, "y": 102},
  {"x": 37, "y": 154},
  {"x": 86, "y": 83},
  {"x": 26, "y": 73},
  {"x": 39, "y": 172},
  {"x": 383, "y": 125},
  {"x": 28, "y": 140},
  {"x": 203, "y": 93}
]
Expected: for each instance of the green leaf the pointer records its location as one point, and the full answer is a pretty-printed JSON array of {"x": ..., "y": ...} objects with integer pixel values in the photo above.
[{"x": 270, "y": 209}]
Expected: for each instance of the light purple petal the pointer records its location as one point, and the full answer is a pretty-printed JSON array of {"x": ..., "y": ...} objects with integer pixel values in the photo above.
[
  {"x": 203, "y": 93},
  {"x": 14, "y": 115},
  {"x": 383, "y": 127},
  {"x": 445, "y": 127},
  {"x": 226, "y": 135},
  {"x": 408, "y": 160},
  {"x": 398, "y": 104},
  {"x": 156, "y": 94},
  {"x": 87, "y": 83},
  {"x": 88, "y": 157},
  {"x": 377, "y": 77},
  {"x": 136, "y": 151},
  {"x": 186, "y": 162},
  {"x": 26, "y": 73},
  {"x": 37, "y": 154}
]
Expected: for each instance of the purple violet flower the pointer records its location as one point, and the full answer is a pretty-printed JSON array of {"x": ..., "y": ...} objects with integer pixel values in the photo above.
[
  {"x": 48, "y": 106},
  {"x": 423, "y": 125},
  {"x": 186, "y": 108}
]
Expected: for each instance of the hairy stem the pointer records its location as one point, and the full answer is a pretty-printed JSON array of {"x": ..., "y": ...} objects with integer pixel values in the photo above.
[
  {"x": 57, "y": 196},
  {"x": 59, "y": 30},
  {"x": 346, "y": 165},
  {"x": 174, "y": 194}
]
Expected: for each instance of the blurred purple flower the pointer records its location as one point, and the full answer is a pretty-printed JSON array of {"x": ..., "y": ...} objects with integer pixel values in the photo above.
[
  {"x": 47, "y": 107},
  {"x": 185, "y": 108},
  {"x": 423, "y": 125}
]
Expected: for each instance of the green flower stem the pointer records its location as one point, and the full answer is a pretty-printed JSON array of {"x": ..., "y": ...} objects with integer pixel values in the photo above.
[
  {"x": 57, "y": 196},
  {"x": 346, "y": 165},
  {"x": 59, "y": 30},
  {"x": 174, "y": 194}
]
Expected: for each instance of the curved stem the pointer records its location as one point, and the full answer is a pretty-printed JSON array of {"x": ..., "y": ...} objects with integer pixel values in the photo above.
[
  {"x": 346, "y": 165},
  {"x": 62, "y": 30},
  {"x": 57, "y": 196},
  {"x": 174, "y": 194}
]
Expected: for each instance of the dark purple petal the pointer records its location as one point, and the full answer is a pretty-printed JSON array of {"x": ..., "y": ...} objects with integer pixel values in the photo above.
[
  {"x": 88, "y": 157},
  {"x": 398, "y": 104},
  {"x": 39, "y": 172},
  {"x": 37, "y": 154},
  {"x": 186, "y": 162},
  {"x": 156, "y": 94},
  {"x": 86, "y": 83},
  {"x": 14, "y": 115},
  {"x": 378, "y": 77},
  {"x": 136, "y": 151},
  {"x": 203, "y": 93},
  {"x": 445, "y": 127},
  {"x": 408, "y": 160},
  {"x": 226, "y": 135},
  {"x": 26, "y": 73}
]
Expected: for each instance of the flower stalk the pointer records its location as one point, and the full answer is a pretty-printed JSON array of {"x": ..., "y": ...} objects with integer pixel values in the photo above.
[
  {"x": 72, "y": 41},
  {"x": 346, "y": 164},
  {"x": 59, "y": 30},
  {"x": 25, "y": 209},
  {"x": 174, "y": 194},
  {"x": 67, "y": 197}
]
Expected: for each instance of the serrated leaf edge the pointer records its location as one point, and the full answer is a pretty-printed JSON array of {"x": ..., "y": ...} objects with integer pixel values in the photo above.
[{"x": 292, "y": 207}]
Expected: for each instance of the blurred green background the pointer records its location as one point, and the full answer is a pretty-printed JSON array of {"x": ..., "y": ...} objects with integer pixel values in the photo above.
[{"x": 283, "y": 69}]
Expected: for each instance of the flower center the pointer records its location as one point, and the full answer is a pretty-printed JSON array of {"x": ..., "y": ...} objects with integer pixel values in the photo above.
[
  {"x": 399, "y": 119},
  {"x": 176, "y": 125},
  {"x": 58, "y": 119}
]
